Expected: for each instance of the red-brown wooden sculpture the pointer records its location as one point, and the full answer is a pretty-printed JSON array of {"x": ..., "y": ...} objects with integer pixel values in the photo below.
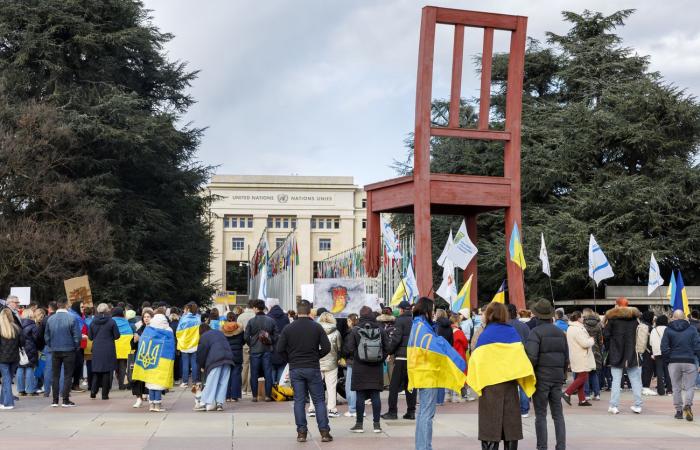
[{"x": 425, "y": 193}]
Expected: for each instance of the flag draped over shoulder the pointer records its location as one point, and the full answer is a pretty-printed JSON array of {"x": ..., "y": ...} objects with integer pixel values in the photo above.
[
  {"x": 500, "y": 356},
  {"x": 155, "y": 357},
  {"x": 432, "y": 362},
  {"x": 123, "y": 344},
  {"x": 188, "y": 332}
]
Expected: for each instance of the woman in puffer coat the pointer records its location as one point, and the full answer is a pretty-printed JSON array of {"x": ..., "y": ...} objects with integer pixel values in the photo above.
[
  {"x": 215, "y": 357},
  {"x": 580, "y": 357},
  {"x": 329, "y": 363},
  {"x": 26, "y": 381}
]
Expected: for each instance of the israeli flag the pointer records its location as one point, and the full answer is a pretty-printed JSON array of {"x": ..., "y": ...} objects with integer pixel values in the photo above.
[
  {"x": 598, "y": 266},
  {"x": 655, "y": 279}
]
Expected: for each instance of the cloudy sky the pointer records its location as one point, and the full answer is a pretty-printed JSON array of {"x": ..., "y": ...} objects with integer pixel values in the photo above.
[{"x": 327, "y": 87}]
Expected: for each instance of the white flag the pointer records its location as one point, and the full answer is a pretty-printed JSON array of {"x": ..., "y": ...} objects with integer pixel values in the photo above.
[
  {"x": 598, "y": 266},
  {"x": 445, "y": 251},
  {"x": 410, "y": 283},
  {"x": 262, "y": 291},
  {"x": 448, "y": 288},
  {"x": 463, "y": 249},
  {"x": 544, "y": 258},
  {"x": 655, "y": 279},
  {"x": 391, "y": 243}
]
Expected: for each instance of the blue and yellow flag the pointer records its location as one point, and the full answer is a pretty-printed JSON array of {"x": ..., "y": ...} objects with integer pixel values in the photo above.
[
  {"x": 155, "y": 358},
  {"x": 680, "y": 298},
  {"x": 500, "y": 296},
  {"x": 215, "y": 324},
  {"x": 463, "y": 298},
  {"x": 432, "y": 362},
  {"x": 123, "y": 344},
  {"x": 500, "y": 356},
  {"x": 188, "y": 332},
  {"x": 671, "y": 293},
  {"x": 516, "y": 248}
]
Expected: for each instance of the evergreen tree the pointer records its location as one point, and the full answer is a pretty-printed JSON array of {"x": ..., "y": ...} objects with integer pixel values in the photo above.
[
  {"x": 608, "y": 147},
  {"x": 97, "y": 177}
]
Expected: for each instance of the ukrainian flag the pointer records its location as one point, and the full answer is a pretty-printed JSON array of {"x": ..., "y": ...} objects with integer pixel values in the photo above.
[
  {"x": 155, "y": 358},
  {"x": 680, "y": 298},
  {"x": 126, "y": 334},
  {"x": 432, "y": 362},
  {"x": 464, "y": 295},
  {"x": 500, "y": 356},
  {"x": 516, "y": 248},
  {"x": 500, "y": 296},
  {"x": 215, "y": 324},
  {"x": 188, "y": 332}
]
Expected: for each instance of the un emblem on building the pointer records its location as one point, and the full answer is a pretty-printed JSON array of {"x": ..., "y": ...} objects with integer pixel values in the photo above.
[{"x": 282, "y": 198}]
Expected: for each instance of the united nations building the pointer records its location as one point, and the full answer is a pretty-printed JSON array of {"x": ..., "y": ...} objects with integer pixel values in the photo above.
[{"x": 325, "y": 214}]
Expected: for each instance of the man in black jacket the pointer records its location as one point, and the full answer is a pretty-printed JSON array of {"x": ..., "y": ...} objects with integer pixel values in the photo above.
[
  {"x": 549, "y": 353},
  {"x": 302, "y": 344},
  {"x": 260, "y": 335},
  {"x": 399, "y": 377}
]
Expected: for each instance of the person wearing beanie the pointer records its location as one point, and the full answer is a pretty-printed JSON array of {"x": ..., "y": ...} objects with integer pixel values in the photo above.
[
  {"x": 214, "y": 355},
  {"x": 234, "y": 335},
  {"x": 663, "y": 379},
  {"x": 399, "y": 379}
]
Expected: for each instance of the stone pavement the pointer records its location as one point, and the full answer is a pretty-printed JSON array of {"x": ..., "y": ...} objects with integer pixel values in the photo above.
[{"x": 114, "y": 424}]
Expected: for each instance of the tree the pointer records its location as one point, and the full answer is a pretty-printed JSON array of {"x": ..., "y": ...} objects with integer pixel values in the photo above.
[
  {"x": 608, "y": 148},
  {"x": 97, "y": 177}
]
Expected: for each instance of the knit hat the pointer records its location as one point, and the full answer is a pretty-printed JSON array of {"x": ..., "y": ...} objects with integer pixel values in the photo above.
[
  {"x": 404, "y": 305},
  {"x": 543, "y": 309},
  {"x": 230, "y": 328},
  {"x": 118, "y": 312},
  {"x": 130, "y": 314},
  {"x": 465, "y": 312}
]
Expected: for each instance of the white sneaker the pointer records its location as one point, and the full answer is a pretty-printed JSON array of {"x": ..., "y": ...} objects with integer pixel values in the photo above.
[
  {"x": 636, "y": 409},
  {"x": 613, "y": 410},
  {"x": 333, "y": 414},
  {"x": 138, "y": 403},
  {"x": 6, "y": 407},
  {"x": 349, "y": 414},
  {"x": 40, "y": 391},
  {"x": 596, "y": 398},
  {"x": 646, "y": 391},
  {"x": 183, "y": 385},
  {"x": 525, "y": 416},
  {"x": 652, "y": 393},
  {"x": 312, "y": 413}
]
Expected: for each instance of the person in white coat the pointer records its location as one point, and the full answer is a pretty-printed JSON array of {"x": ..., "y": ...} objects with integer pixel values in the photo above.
[
  {"x": 581, "y": 357},
  {"x": 663, "y": 379}
]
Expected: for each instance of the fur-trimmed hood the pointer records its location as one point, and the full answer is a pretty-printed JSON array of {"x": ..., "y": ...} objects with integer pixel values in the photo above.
[
  {"x": 624, "y": 313},
  {"x": 385, "y": 318}
]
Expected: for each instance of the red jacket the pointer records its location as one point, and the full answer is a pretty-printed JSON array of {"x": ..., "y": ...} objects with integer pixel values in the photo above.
[{"x": 459, "y": 342}]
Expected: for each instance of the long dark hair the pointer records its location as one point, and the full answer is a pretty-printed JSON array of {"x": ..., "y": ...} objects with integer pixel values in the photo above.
[{"x": 424, "y": 308}]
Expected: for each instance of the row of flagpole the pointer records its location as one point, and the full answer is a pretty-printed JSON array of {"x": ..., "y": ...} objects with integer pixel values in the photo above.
[{"x": 460, "y": 250}]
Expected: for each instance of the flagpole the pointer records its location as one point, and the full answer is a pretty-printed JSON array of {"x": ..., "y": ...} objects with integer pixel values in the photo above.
[
  {"x": 552, "y": 290},
  {"x": 594, "y": 300}
]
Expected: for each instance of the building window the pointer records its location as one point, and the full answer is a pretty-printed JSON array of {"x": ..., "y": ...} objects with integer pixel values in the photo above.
[
  {"x": 364, "y": 242},
  {"x": 325, "y": 223},
  {"x": 250, "y": 222},
  {"x": 321, "y": 224},
  {"x": 364, "y": 224},
  {"x": 282, "y": 222},
  {"x": 237, "y": 243},
  {"x": 364, "y": 203},
  {"x": 313, "y": 224},
  {"x": 269, "y": 222},
  {"x": 226, "y": 222},
  {"x": 279, "y": 242},
  {"x": 238, "y": 222},
  {"x": 294, "y": 223},
  {"x": 324, "y": 245}
]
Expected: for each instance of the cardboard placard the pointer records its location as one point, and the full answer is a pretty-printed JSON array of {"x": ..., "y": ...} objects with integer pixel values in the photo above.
[{"x": 78, "y": 290}]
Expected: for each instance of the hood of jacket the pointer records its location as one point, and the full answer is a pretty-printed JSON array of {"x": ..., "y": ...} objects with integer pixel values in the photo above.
[
  {"x": 276, "y": 312},
  {"x": 27, "y": 323},
  {"x": 443, "y": 322},
  {"x": 679, "y": 325},
  {"x": 624, "y": 313},
  {"x": 364, "y": 320},
  {"x": 385, "y": 318},
  {"x": 328, "y": 327},
  {"x": 160, "y": 322},
  {"x": 100, "y": 320},
  {"x": 231, "y": 329}
]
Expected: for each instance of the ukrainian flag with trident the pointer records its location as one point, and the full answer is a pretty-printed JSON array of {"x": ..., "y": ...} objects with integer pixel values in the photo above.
[{"x": 155, "y": 357}]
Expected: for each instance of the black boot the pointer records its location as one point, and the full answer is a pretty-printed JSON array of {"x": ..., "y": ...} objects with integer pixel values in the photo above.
[
  {"x": 510, "y": 445},
  {"x": 489, "y": 445}
]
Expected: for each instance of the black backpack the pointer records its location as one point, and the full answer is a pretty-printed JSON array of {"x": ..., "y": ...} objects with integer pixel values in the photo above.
[{"x": 370, "y": 347}]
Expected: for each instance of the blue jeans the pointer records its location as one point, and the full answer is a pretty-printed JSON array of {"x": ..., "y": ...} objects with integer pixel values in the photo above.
[
  {"x": 155, "y": 395},
  {"x": 6, "y": 370},
  {"x": 424, "y": 420},
  {"x": 277, "y": 373},
  {"x": 261, "y": 362},
  {"x": 350, "y": 395},
  {"x": 308, "y": 382},
  {"x": 441, "y": 396},
  {"x": 216, "y": 385},
  {"x": 234, "y": 382},
  {"x": 26, "y": 382},
  {"x": 635, "y": 376},
  {"x": 593, "y": 385},
  {"x": 524, "y": 402},
  {"x": 189, "y": 362}
]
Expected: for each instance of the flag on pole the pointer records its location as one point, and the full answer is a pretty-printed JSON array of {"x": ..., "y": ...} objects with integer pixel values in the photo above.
[
  {"x": 516, "y": 248},
  {"x": 544, "y": 258},
  {"x": 448, "y": 288},
  {"x": 463, "y": 249},
  {"x": 500, "y": 296},
  {"x": 445, "y": 251},
  {"x": 655, "y": 279},
  {"x": 391, "y": 243},
  {"x": 262, "y": 289},
  {"x": 463, "y": 296},
  {"x": 680, "y": 300},
  {"x": 407, "y": 288},
  {"x": 598, "y": 266},
  {"x": 671, "y": 292}
]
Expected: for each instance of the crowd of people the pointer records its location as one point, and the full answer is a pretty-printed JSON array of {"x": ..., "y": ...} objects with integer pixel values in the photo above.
[{"x": 323, "y": 360}]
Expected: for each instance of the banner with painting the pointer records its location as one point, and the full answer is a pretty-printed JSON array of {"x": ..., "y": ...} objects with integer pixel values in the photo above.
[{"x": 341, "y": 296}]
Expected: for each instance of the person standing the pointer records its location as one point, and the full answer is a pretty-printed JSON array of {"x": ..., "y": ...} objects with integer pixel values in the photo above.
[
  {"x": 26, "y": 381},
  {"x": 11, "y": 340},
  {"x": 620, "y": 335},
  {"x": 644, "y": 349},
  {"x": 302, "y": 344},
  {"x": 76, "y": 310},
  {"x": 460, "y": 344},
  {"x": 62, "y": 336},
  {"x": 261, "y": 335},
  {"x": 234, "y": 335},
  {"x": 46, "y": 350},
  {"x": 214, "y": 320},
  {"x": 214, "y": 356},
  {"x": 523, "y": 331},
  {"x": 443, "y": 328},
  {"x": 103, "y": 332},
  {"x": 122, "y": 345},
  {"x": 398, "y": 345},
  {"x": 350, "y": 395},
  {"x": 138, "y": 387},
  {"x": 243, "y": 320},
  {"x": 369, "y": 345},
  {"x": 580, "y": 357},
  {"x": 547, "y": 349},
  {"x": 187, "y": 337},
  {"x": 591, "y": 321},
  {"x": 281, "y": 319},
  {"x": 663, "y": 379},
  {"x": 680, "y": 346},
  {"x": 329, "y": 364},
  {"x": 561, "y": 321}
]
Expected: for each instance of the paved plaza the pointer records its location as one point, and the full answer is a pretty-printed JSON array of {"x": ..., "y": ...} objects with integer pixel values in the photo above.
[{"x": 114, "y": 424}]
